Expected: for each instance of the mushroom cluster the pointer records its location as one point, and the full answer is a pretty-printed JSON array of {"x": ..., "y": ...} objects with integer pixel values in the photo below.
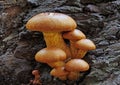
[{"x": 66, "y": 60}]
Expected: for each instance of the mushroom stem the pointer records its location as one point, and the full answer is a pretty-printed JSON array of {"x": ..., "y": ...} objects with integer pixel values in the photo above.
[
  {"x": 59, "y": 72},
  {"x": 73, "y": 75},
  {"x": 54, "y": 39},
  {"x": 80, "y": 53},
  {"x": 73, "y": 49},
  {"x": 56, "y": 64},
  {"x": 83, "y": 46},
  {"x": 63, "y": 77}
]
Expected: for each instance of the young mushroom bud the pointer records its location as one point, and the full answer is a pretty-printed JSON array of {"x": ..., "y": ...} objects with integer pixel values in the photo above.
[
  {"x": 84, "y": 45},
  {"x": 52, "y": 56},
  {"x": 36, "y": 80},
  {"x": 74, "y": 36},
  {"x": 74, "y": 66},
  {"x": 52, "y": 25},
  {"x": 59, "y": 72}
]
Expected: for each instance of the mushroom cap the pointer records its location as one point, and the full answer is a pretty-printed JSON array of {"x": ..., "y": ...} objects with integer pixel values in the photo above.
[
  {"x": 74, "y": 35},
  {"x": 51, "y": 22},
  {"x": 76, "y": 65},
  {"x": 51, "y": 54},
  {"x": 35, "y": 72},
  {"x": 58, "y": 72},
  {"x": 85, "y": 44}
]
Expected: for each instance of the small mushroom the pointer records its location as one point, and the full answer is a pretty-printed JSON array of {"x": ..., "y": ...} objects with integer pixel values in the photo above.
[
  {"x": 84, "y": 45},
  {"x": 59, "y": 72},
  {"x": 52, "y": 56},
  {"x": 75, "y": 66},
  {"x": 52, "y": 25},
  {"x": 36, "y": 80},
  {"x": 74, "y": 36}
]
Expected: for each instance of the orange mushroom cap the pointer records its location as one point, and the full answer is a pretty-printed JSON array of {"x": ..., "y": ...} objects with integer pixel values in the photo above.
[
  {"x": 51, "y": 22},
  {"x": 85, "y": 44},
  {"x": 74, "y": 35},
  {"x": 51, "y": 54},
  {"x": 76, "y": 65}
]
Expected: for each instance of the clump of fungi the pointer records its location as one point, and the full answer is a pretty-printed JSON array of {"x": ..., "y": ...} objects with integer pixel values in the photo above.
[{"x": 66, "y": 60}]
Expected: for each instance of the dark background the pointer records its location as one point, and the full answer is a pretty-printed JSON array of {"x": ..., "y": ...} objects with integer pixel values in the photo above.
[{"x": 98, "y": 19}]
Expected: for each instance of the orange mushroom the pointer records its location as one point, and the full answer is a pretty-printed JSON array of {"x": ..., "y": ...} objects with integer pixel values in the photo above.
[
  {"x": 74, "y": 36},
  {"x": 74, "y": 66},
  {"x": 53, "y": 56},
  {"x": 84, "y": 45},
  {"x": 52, "y": 24}
]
